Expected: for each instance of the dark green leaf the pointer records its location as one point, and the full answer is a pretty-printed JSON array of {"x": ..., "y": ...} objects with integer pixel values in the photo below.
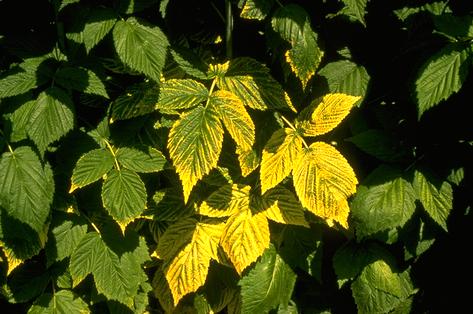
[
  {"x": 190, "y": 62},
  {"x": 101, "y": 134},
  {"x": 454, "y": 26},
  {"x": 268, "y": 284},
  {"x": 99, "y": 23},
  {"x": 355, "y": 9},
  {"x": 80, "y": 79},
  {"x": 146, "y": 160},
  {"x": 20, "y": 119},
  {"x": 434, "y": 8},
  {"x": 379, "y": 144},
  {"x": 139, "y": 99},
  {"x": 91, "y": 167},
  {"x": 143, "y": 48},
  {"x": 53, "y": 117},
  {"x": 63, "y": 301}
]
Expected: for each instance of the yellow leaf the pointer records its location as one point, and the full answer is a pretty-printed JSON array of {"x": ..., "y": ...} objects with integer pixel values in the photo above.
[
  {"x": 280, "y": 205},
  {"x": 226, "y": 201},
  {"x": 248, "y": 160},
  {"x": 278, "y": 157},
  {"x": 325, "y": 113},
  {"x": 194, "y": 144},
  {"x": 12, "y": 261},
  {"x": 235, "y": 118},
  {"x": 245, "y": 237},
  {"x": 187, "y": 271},
  {"x": 324, "y": 180}
]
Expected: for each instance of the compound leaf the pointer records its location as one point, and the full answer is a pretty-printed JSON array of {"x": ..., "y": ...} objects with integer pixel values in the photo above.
[{"x": 91, "y": 167}]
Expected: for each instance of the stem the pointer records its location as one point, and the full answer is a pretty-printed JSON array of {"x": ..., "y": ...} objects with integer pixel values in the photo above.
[
  {"x": 279, "y": 3},
  {"x": 295, "y": 130},
  {"x": 211, "y": 90},
  {"x": 8, "y": 144},
  {"x": 91, "y": 223},
  {"x": 228, "y": 29},
  {"x": 110, "y": 148}
]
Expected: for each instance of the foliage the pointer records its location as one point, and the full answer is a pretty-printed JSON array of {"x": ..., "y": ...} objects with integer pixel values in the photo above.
[{"x": 247, "y": 156}]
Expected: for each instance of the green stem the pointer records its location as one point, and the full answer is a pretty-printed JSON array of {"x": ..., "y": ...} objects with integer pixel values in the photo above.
[
  {"x": 8, "y": 144},
  {"x": 228, "y": 29},
  {"x": 110, "y": 148},
  {"x": 295, "y": 130},
  {"x": 211, "y": 90}
]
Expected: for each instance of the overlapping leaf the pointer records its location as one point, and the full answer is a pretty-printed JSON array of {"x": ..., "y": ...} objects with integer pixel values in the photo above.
[
  {"x": 279, "y": 155},
  {"x": 91, "y": 167},
  {"x": 281, "y": 205},
  {"x": 324, "y": 114},
  {"x": 195, "y": 142},
  {"x": 324, "y": 180},
  {"x": 63, "y": 301},
  {"x": 226, "y": 201},
  {"x": 99, "y": 23},
  {"x": 139, "y": 99},
  {"x": 80, "y": 79},
  {"x": 146, "y": 160},
  {"x": 355, "y": 9},
  {"x": 181, "y": 94}
]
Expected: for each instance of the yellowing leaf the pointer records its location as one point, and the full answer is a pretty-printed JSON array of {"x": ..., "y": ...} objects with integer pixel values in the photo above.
[
  {"x": 278, "y": 157},
  {"x": 248, "y": 160},
  {"x": 281, "y": 205},
  {"x": 187, "y": 271},
  {"x": 13, "y": 262},
  {"x": 175, "y": 237},
  {"x": 245, "y": 237},
  {"x": 226, "y": 201},
  {"x": 325, "y": 113},
  {"x": 235, "y": 118},
  {"x": 323, "y": 180},
  {"x": 181, "y": 94},
  {"x": 195, "y": 142}
]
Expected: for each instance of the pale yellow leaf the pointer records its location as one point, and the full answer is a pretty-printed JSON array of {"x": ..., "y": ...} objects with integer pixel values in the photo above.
[
  {"x": 194, "y": 144},
  {"x": 175, "y": 237},
  {"x": 324, "y": 180},
  {"x": 226, "y": 201},
  {"x": 245, "y": 237},
  {"x": 281, "y": 205},
  {"x": 249, "y": 161},
  {"x": 278, "y": 157},
  {"x": 236, "y": 119},
  {"x": 325, "y": 113},
  {"x": 187, "y": 271}
]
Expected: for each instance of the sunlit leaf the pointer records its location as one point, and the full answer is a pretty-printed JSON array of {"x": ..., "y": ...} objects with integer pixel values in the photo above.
[
  {"x": 324, "y": 180},
  {"x": 91, "y": 167},
  {"x": 195, "y": 142},
  {"x": 63, "y": 301},
  {"x": 256, "y": 9},
  {"x": 181, "y": 94},
  {"x": 147, "y": 160},
  {"x": 281, "y": 205},
  {"x": 226, "y": 201}
]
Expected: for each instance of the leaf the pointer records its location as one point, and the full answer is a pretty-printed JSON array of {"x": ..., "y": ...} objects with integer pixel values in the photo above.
[
  {"x": 346, "y": 77},
  {"x": 281, "y": 205},
  {"x": 325, "y": 113},
  {"x": 139, "y": 99},
  {"x": 236, "y": 119},
  {"x": 175, "y": 238},
  {"x": 17, "y": 84},
  {"x": 65, "y": 234},
  {"x": 63, "y": 301},
  {"x": 434, "y": 8},
  {"x": 386, "y": 203},
  {"x": 379, "y": 290},
  {"x": 181, "y": 94},
  {"x": 356, "y": 9},
  {"x": 292, "y": 23},
  {"x": 380, "y": 144},
  {"x": 124, "y": 195},
  {"x": 147, "y": 160},
  {"x": 324, "y": 180},
  {"x": 226, "y": 201},
  {"x": 194, "y": 144},
  {"x": 190, "y": 62},
  {"x": 188, "y": 270},
  {"x": 117, "y": 278},
  {"x": 454, "y": 26},
  {"x": 441, "y": 76},
  {"x": 256, "y": 9},
  {"x": 279, "y": 155},
  {"x": 134, "y": 6},
  {"x": 53, "y": 117},
  {"x": 248, "y": 160},
  {"x": 269, "y": 284},
  {"x": 26, "y": 188},
  {"x": 143, "y": 48},
  {"x": 245, "y": 237},
  {"x": 20, "y": 119},
  {"x": 251, "y": 82},
  {"x": 436, "y": 196},
  {"x": 80, "y": 79},
  {"x": 91, "y": 167},
  {"x": 99, "y": 23}
]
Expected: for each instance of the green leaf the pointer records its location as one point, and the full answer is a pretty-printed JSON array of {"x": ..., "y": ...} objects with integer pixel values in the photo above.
[
  {"x": 181, "y": 94},
  {"x": 26, "y": 188},
  {"x": 139, "y": 99},
  {"x": 52, "y": 119},
  {"x": 143, "y": 48},
  {"x": 116, "y": 277},
  {"x": 18, "y": 83},
  {"x": 379, "y": 290},
  {"x": 292, "y": 23},
  {"x": 65, "y": 234},
  {"x": 80, "y": 79},
  {"x": 454, "y": 26},
  {"x": 194, "y": 144},
  {"x": 63, "y": 301},
  {"x": 269, "y": 284},
  {"x": 256, "y": 9},
  {"x": 124, "y": 195},
  {"x": 434, "y": 8},
  {"x": 91, "y": 167},
  {"x": 355, "y": 9},
  {"x": 385, "y": 201},
  {"x": 436, "y": 196},
  {"x": 236, "y": 119},
  {"x": 141, "y": 160},
  {"x": 441, "y": 76},
  {"x": 190, "y": 62},
  {"x": 26, "y": 284},
  {"x": 379, "y": 144},
  {"x": 20, "y": 119},
  {"x": 251, "y": 82},
  {"x": 99, "y": 23},
  {"x": 346, "y": 77}
]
